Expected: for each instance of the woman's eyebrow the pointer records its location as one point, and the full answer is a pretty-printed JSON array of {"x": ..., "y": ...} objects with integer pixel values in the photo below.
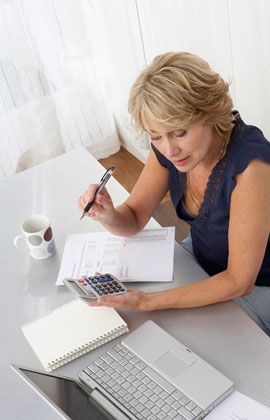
[
  {"x": 154, "y": 133},
  {"x": 167, "y": 132}
]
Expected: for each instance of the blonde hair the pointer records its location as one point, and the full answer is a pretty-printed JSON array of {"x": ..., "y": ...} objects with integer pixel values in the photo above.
[{"x": 178, "y": 90}]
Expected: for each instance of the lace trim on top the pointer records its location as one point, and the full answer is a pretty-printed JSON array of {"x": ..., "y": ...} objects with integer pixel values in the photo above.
[{"x": 213, "y": 184}]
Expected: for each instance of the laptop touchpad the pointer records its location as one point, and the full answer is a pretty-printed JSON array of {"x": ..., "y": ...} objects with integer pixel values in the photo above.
[{"x": 170, "y": 364}]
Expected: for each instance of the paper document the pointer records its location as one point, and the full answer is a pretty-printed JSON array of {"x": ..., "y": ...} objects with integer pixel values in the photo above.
[
  {"x": 146, "y": 256},
  {"x": 239, "y": 407}
]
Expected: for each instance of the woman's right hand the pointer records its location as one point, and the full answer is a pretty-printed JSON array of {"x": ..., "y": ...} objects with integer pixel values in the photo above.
[{"x": 103, "y": 209}]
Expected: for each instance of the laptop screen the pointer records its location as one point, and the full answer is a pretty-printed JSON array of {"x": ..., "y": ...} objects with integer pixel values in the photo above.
[{"x": 67, "y": 395}]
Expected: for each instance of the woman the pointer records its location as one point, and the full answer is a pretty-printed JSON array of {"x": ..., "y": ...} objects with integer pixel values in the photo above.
[{"x": 217, "y": 170}]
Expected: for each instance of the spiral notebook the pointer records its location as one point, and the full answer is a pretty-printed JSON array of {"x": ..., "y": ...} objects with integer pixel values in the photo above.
[{"x": 72, "y": 330}]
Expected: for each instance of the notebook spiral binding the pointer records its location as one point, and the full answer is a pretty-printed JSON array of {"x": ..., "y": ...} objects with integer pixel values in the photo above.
[{"x": 85, "y": 348}]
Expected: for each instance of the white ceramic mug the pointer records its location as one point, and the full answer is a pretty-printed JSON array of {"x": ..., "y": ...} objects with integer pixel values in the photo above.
[{"x": 36, "y": 237}]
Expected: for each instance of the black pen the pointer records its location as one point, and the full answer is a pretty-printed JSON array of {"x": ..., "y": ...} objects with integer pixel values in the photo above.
[{"x": 102, "y": 184}]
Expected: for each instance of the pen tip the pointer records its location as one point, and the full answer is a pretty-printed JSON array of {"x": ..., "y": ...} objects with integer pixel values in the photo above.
[{"x": 82, "y": 216}]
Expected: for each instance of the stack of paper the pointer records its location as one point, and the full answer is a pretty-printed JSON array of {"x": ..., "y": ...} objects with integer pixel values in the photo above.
[{"x": 146, "y": 256}]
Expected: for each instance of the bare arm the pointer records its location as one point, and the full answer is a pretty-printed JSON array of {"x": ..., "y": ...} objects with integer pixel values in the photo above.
[
  {"x": 135, "y": 212},
  {"x": 248, "y": 234}
]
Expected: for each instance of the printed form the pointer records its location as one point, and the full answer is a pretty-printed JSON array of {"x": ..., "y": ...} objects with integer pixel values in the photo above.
[
  {"x": 146, "y": 256},
  {"x": 239, "y": 407}
]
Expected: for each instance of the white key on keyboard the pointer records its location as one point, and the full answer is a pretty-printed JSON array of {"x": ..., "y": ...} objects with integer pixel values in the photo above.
[
  {"x": 154, "y": 398},
  {"x": 176, "y": 405},
  {"x": 158, "y": 379},
  {"x": 139, "y": 388},
  {"x": 115, "y": 355},
  {"x": 148, "y": 393},
  {"x": 140, "y": 407},
  {"x": 152, "y": 417},
  {"x": 170, "y": 400},
  {"x": 197, "y": 411},
  {"x": 161, "y": 415},
  {"x": 155, "y": 410},
  {"x": 128, "y": 397},
  {"x": 190, "y": 406},
  {"x": 149, "y": 404},
  {"x": 172, "y": 414},
  {"x": 160, "y": 403},
  {"x": 143, "y": 399},
  {"x": 146, "y": 412},
  {"x": 166, "y": 408},
  {"x": 177, "y": 395},
  {"x": 185, "y": 413}
]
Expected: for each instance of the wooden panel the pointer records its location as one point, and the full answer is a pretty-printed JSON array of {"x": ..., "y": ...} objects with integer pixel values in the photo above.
[{"x": 128, "y": 168}]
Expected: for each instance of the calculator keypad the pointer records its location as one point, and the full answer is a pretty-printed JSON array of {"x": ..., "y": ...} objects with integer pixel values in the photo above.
[{"x": 103, "y": 284}]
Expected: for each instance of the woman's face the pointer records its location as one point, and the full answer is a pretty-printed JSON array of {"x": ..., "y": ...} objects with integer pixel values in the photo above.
[{"x": 186, "y": 147}]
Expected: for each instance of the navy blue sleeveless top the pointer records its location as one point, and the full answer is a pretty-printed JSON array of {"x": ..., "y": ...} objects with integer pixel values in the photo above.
[{"x": 209, "y": 229}]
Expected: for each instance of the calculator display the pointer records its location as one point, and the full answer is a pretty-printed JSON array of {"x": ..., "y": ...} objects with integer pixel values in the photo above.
[{"x": 75, "y": 286}]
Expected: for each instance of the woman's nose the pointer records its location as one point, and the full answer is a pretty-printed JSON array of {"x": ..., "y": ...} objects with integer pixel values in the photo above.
[{"x": 170, "y": 149}]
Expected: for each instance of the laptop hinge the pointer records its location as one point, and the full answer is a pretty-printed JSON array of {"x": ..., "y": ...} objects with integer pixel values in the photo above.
[
  {"x": 104, "y": 398},
  {"x": 108, "y": 405}
]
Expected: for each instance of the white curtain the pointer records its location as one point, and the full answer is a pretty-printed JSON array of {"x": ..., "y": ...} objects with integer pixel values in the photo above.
[{"x": 52, "y": 91}]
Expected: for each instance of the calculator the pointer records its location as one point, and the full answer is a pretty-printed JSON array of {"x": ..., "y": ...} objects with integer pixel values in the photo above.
[{"x": 91, "y": 287}]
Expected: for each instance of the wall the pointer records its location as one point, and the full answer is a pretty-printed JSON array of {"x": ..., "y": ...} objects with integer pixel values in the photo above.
[
  {"x": 66, "y": 67},
  {"x": 232, "y": 35}
]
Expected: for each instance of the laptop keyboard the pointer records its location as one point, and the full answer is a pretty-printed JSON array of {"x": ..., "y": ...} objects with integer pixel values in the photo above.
[{"x": 139, "y": 388}]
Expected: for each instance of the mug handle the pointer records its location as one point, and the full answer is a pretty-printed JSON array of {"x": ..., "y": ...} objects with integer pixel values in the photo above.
[{"x": 18, "y": 242}]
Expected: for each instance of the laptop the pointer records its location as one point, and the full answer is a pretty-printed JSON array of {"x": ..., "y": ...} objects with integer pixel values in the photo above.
[{"x": 149, "y": 375}]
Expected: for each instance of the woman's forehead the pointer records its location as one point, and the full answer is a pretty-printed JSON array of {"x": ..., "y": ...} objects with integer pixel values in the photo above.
[{"x": 155, "y": 128}]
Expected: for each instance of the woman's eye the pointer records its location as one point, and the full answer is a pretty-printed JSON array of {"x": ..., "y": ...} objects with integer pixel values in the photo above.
[
  {"x": 181, "y": 133},
  {"x": 155, "y": 138}
]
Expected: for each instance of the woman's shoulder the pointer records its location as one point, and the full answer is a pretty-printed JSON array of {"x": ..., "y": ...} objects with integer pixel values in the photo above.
[{"x": 248, "y": 143}]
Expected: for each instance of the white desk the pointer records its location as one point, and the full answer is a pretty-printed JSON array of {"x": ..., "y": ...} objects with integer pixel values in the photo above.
[{"x": 222, "y": 334}]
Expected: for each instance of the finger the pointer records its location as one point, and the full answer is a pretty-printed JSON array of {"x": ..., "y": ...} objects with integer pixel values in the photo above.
[
  {"x": 94, "y": 303},
  {"x": 109, "y": 301},
  {"x": 93, "y": 213},
  {"x": 89, "y": 194},
  {"x": 81, "y": 203},
  {"x": 94, "y": 210},
  {"x": 92, "y": 189},
  {"x": 97, "y": 302},
  {"x": 103, "y": 201},
  {"x": 105, "y": 193}
]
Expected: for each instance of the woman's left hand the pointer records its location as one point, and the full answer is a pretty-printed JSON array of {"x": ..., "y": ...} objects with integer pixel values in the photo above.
[{"x": 132, "y": 299}]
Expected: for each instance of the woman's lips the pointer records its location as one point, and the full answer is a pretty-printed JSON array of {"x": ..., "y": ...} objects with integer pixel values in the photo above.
[{"x": 181, "y": 161}]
